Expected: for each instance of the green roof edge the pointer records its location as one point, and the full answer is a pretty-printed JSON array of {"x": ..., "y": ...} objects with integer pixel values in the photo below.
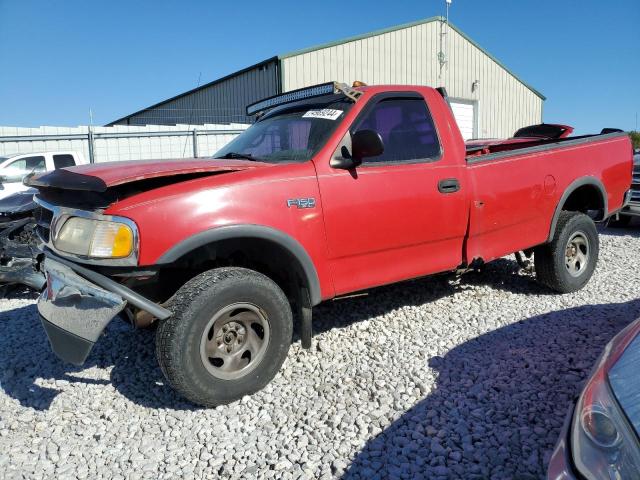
[{"x": 409, "y": 25}]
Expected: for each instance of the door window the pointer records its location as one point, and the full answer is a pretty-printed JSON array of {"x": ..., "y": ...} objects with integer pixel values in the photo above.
[{"x": 406, "y": 128}]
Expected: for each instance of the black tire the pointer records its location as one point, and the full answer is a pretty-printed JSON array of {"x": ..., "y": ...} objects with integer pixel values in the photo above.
[
  {"x": 180, "y": 338},
  {"x": 550, "y": 259},
  {"x": 621, "y": 222}
]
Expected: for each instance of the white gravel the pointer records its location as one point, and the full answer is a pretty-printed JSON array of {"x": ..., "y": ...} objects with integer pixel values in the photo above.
[{"x": 437, "y": 378}]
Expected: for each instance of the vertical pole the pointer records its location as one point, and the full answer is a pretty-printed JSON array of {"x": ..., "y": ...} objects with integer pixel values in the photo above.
[
  {"x": 90, "y": 141},
  {"x": 446, "y": 32},
  {"x": 195, "y": 143}
]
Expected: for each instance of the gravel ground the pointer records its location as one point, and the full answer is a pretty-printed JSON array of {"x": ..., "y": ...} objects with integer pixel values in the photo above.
[{"x": 437, "y": 378}]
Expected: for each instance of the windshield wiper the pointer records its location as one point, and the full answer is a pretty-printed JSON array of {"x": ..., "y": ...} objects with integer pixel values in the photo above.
[{"x": 244, "y": 156}]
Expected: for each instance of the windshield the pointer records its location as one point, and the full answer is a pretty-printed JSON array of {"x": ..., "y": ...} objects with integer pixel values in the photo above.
[{"x": 291, "y": 133}]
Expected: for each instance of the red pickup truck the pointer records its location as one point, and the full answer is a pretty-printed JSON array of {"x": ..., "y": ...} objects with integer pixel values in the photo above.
[{"x": 333, "y": 190}]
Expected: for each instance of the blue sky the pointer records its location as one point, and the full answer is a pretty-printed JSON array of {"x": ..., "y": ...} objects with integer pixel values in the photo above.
[{"x": 60, "y": 58}]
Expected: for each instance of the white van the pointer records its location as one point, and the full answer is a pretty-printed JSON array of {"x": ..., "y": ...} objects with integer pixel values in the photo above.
[{"x": 13, "y": 168}]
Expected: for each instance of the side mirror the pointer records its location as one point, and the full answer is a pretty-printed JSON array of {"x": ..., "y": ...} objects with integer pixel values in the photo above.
[{"x": 364, "y": 143}]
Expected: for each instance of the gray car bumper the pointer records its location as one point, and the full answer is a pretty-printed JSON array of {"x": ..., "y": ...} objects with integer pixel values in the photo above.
[
  {"x": 561, "y": 464},
  {"x": 77, "y": 304},
  {"x": 631, "y": 206},
  {"x": 632, "y": 209}
]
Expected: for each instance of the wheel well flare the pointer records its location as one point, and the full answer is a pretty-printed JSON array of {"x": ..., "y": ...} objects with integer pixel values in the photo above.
[{"x": 264, "y": 249}]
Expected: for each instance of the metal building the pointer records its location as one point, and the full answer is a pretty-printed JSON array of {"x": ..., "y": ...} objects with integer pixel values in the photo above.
[
  {"x": 488, "y": 100},
  {"x": 221, "y": 101}
]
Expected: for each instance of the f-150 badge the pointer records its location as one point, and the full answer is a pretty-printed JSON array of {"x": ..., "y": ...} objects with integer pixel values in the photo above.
[{"x": 301, "y": 202}]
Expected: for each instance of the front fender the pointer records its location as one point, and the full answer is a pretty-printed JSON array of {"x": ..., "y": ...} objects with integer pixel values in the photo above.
[
  {"x": 250, "y": 231},
  {"x": 265, "y": 203}
]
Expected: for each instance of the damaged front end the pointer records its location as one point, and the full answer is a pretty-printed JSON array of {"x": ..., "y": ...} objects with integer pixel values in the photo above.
[
  {"x": 90, "y": 258},
  {"x": 78, "y": 303},
  {"x": 84, "y": 291},
  {"x": 19, "y": 243}
]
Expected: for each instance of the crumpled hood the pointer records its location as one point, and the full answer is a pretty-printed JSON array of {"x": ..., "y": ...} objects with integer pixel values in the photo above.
[{"x": 99, "y": 177}]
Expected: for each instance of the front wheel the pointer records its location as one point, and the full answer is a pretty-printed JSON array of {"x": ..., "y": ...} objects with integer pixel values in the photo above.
[
  {"x": 567, "y": 262},
  {"x": 229, "y": 334}
]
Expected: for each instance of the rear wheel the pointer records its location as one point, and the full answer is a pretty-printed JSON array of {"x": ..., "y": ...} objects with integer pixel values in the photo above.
[
  {"x": 567, "y": 262},
  {"x": 229, "y": 334}
]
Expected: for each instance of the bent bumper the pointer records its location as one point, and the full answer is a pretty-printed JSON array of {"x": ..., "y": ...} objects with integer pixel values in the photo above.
[
  {"x": 77, "y": 304},
  {"x": 74, "y": 312},
  {"x": 22, "y": 272}
]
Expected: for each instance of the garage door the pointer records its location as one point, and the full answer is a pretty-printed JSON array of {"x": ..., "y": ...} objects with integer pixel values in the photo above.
[{"x": 465, "y": 114}]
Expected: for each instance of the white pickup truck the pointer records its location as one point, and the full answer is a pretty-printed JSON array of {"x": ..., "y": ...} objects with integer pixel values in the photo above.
[{"x": 13, "y": 168}]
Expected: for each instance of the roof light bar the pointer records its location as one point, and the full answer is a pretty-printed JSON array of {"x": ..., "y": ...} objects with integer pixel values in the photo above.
[{"x": 302, "y": 94}]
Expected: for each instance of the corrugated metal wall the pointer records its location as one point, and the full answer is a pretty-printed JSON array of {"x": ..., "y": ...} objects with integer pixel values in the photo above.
[
  {"x": 223, "y": 101},
  {"x": 410, "y": 56}
]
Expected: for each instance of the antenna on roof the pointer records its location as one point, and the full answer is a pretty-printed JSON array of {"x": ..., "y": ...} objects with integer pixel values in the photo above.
[{"x": 444, "y": 29}]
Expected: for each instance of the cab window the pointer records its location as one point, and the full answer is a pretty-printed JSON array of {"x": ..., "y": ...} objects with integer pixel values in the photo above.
[{"x": 63, "y": 160}]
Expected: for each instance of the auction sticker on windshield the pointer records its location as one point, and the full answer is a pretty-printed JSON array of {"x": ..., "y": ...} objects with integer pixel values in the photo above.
[{"x": 326, "y": 113}]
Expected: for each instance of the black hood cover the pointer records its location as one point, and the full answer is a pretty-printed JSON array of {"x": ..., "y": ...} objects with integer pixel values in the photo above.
[{"x": 67, "y": 180}]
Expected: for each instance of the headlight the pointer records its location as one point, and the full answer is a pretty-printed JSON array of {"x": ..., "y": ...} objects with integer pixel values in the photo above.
[
  {"x": 95, "y": 238},
  {"x": 603, "y": 444}
]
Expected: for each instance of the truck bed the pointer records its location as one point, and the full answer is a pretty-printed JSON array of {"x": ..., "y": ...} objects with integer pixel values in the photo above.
[
  {"x": 516, "y": 189},
  {"x": 479, "y": 153}
]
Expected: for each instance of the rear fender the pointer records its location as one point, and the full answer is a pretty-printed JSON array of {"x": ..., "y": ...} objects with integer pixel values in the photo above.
[{"x": 580, "y": 182}]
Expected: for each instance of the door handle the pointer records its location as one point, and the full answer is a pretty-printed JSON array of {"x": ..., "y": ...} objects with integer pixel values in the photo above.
[{"x": 448, "y": 185}]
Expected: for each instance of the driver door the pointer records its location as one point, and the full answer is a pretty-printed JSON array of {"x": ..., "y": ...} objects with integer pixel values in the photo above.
[{"x": 388, "y": 219}]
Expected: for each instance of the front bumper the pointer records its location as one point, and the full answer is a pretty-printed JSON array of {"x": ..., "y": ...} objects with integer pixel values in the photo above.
[
  {"x": 77, "y": 305},
  {"x": 561, "y": 464},
  {"x": 74, "y": 312}
]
